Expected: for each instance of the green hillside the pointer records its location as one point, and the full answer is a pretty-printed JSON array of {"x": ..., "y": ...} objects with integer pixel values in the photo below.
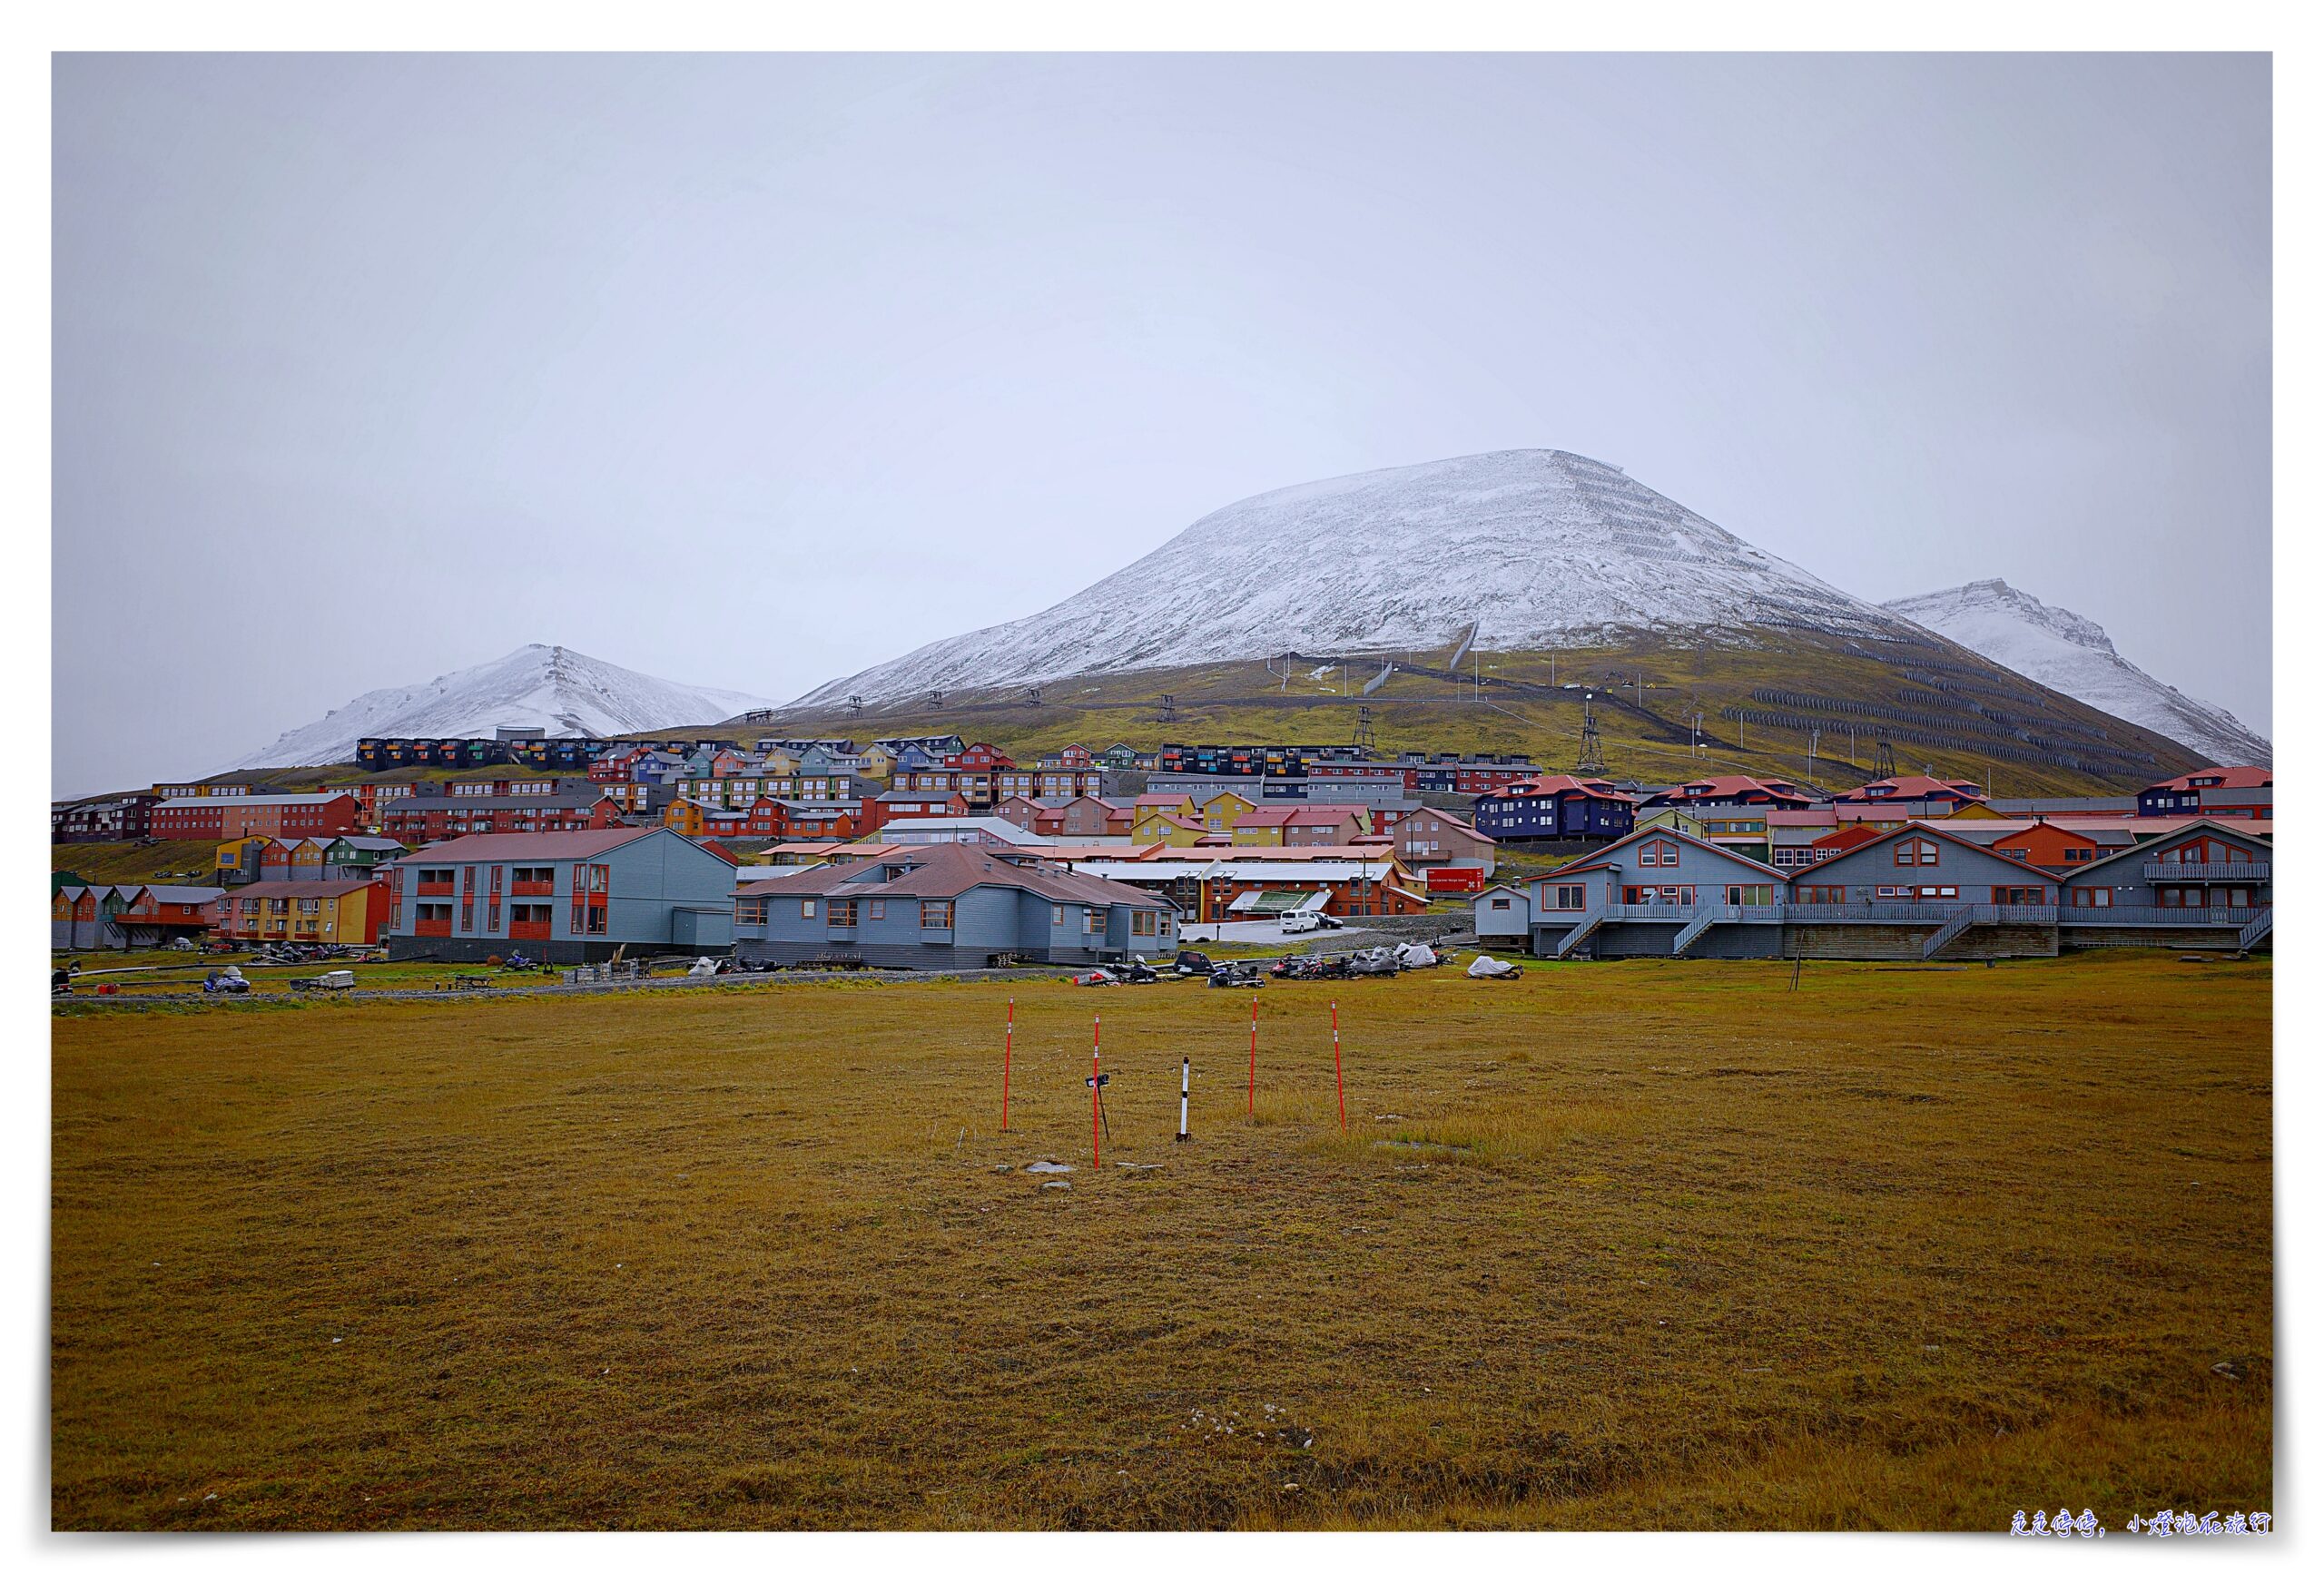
[
  {"x": 1941, "y": 707},
  {"x": 1763, "y": 700}
]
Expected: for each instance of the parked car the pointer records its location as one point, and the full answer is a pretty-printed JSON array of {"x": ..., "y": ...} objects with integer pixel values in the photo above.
[{"x": 1302, "y": 923}]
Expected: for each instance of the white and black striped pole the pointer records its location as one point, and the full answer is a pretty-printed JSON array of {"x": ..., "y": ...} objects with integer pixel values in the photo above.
[{"x": 1186, "y": 1083}]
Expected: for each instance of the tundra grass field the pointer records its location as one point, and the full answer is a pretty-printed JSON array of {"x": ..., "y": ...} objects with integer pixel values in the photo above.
[{"x": 1658, "y": 1244}]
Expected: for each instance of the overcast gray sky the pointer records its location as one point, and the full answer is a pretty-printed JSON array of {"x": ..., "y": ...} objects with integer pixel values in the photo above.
[{"x": 755, "y": 371}]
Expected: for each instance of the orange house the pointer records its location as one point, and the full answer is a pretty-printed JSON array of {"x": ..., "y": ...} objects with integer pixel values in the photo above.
[{"x": 2048, "y": 846}]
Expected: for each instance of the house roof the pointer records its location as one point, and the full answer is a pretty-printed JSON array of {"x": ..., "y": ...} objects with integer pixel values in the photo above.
[
  {"x": 1913, "y": 787},
  {"x": 1161, "y": 799},
  {"x": 1239, "y": 864},
  {"x": 1265, "y": 817},
  {"x": 549, "y": 844},
  {"x": 281, "y": 799},
  {"x": 407, "y": 806},
  {"x": 1913, "y": 827},
  {"x": 1560, "y": 786},
  {"x": 942, "y": 872},
  {"x": 2236, "y": 829},
  {"x": 1603, "y": 859},
  {"x": 309, "y": 889},
  {"x": 184, "y": 895},
  {"x": 1726, "y": 787},
  {"x": 2232, "y": 777},
  {"x": 368, "y": 843},
  {"x": 1454, "y": 819}
]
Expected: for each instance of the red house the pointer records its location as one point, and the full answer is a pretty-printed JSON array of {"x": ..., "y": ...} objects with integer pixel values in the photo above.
[{"x": 285, "y": 816}]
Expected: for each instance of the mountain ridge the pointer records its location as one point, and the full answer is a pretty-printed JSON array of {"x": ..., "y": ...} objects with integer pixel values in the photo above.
[
  {"x": 2070, "y": 654},
  {"x": 1537, "y": 547},
  {"x": 565, "y": 692}
]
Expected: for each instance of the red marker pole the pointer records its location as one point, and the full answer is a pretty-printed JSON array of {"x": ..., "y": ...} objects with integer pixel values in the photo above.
[
  {"x": 1251, "y": 1104},
  {"x": 1096, "y": 1151},
  {"x": 1338, "y": 1074},
  {"x": 1007, "y": 1044}
]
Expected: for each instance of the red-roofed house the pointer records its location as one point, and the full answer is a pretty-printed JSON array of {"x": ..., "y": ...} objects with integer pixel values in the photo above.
[
  {"x": 2236, "y": 792},
  {"x": 568, "y": 896},
  {"x": 1932, "y": 798}
]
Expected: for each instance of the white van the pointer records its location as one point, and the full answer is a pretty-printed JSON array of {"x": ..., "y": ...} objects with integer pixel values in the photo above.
[{"x": 1300, "y": 923}]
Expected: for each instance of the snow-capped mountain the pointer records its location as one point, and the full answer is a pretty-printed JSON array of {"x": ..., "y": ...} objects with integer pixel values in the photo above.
[
  {"x": 2072, "y": 654},
  {"x": 1537, "y": 547},
  {"x": 561, "y": 690}
]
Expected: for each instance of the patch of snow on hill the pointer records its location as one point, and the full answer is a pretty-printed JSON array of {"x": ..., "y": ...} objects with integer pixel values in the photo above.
[
  {"x": 2072, "y": 654},
  {"x": 1539, "y": 547},
  {"x": 563, "y": 692}
]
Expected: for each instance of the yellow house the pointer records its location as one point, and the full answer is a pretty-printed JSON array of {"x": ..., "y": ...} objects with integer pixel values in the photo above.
[
  {"x": 240, "y": 852},
  {"x": 1221, "y": 812},
  {"x": 779, "y": 762},
  {"x": 1151, "y": 813},
  {"x": 1171, "y": 830},
  {"x": 879, "y": 763},
  {"x": 685, "y": 816},
  {"x": 339, "y": 912},
  {"x": 1263, "y": 827},
  {"x": 1977, "y": 810},
  {"x": 1676, "y": 819}
]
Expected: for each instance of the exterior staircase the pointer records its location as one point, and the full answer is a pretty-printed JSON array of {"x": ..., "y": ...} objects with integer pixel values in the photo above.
[
  {"x": 1700, "y": 925},
  {"x": 2257, "y": 930},
  {"x": 1951, "y": 930},
  {"x": 1582, "y": 930}
]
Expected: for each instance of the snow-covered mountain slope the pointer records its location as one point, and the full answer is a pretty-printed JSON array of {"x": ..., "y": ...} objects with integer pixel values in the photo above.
[
  {"x": 2072, "y": 654},
  {"x": 1538, "y": 546},
  {"x": 561, "y": 690}
]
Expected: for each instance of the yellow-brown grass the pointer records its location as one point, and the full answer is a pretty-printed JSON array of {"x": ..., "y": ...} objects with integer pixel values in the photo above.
[{"x": 1663, "y": 1243}]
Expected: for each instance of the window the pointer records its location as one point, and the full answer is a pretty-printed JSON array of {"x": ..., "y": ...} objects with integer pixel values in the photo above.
[
  {"x": 878, "y": 911},
  {"x": 842, "y": 914},
  {"x": 1750, "y": 895},
  {"x": 1093, "y": 920},
  {"x": 2020, "y": 895},
  {"x": 1658, "y": 854},
  {"x": 1499, "y": 904},
  {"x": 1824, "y": 895},
  {"x": 807, "y": 907},
  {"x": 935, "y": 915},
  {"x": 1571, "y": 897},
  {"x": 467, "y": 913},
  {"x": 2093, "y": 896},
  {"x": 1057, "y": 918},
  {"x": 1939, "y": 892},
  {"x": 596, "y": 920},
  {"x": 1145, "y": 923},
  {"x": 492, "y": 914}
]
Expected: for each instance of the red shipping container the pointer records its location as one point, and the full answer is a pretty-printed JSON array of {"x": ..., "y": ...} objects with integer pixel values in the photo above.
[{"x": 1456, "y": 880}]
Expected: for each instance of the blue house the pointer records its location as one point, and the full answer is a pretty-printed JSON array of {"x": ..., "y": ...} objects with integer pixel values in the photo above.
[
  {"x": 1660, "y": 892},
  {"x": 946, "y": 907},
  {"x": 562, "y": 896},
  {"x": 2203, "y": 885},
  {"x": 1557, "y": 808},
  {"x": 1924, "y": 864}
]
